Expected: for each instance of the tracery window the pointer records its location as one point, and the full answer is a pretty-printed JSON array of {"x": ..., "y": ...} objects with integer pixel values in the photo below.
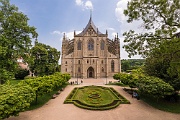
[
  {"x": 112, "y": 66},
  {"x": 79, "y": 45},
  {"x": 102, "y": 45},
  {"x": 91, "y": 45}
]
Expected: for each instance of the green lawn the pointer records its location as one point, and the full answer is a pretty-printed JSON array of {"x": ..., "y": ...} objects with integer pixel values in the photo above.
[{"x": 162, "y": 104}]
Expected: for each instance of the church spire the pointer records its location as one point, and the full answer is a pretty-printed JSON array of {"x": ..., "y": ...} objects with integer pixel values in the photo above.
[{"x": 90, "y": 14}]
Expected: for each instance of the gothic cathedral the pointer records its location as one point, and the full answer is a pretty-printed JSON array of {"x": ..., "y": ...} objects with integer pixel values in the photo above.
[{"x": 91, "y": 54}]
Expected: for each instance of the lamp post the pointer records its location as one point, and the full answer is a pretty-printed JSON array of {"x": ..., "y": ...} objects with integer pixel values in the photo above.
[{"x": 77, "y": 78}]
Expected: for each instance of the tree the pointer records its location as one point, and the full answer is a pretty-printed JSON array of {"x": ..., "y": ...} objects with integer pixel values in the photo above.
[
  {"x": 45, "y": 59},
  {"x": 162, "y": 16},
  {"x": 159, "y": 44},
  {"x": 15, "y": 36},
  {"x": 164, "y": 62}
]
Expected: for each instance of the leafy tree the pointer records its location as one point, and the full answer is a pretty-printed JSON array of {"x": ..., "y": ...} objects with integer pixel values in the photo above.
[
  {"x": 153, "y": 86},
  {"x": 45, "y": 59},
  {"x": 160, "y": 15},
  {"x": 164, "y": 62},
  {"x": 158, "y": 43},
  {"x": 130, "y": 64},
  {"x": 15, "y": 37}
]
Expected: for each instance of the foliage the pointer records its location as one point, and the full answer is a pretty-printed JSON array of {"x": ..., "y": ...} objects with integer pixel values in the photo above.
[
  {"x": 44, "y": 59},
  {"x": 123, "y": 77},
  {"x": 151, "y": 86},
  {"x": 44, "y": 98},
  {"x": 14, "y": 99},
  {"x": 130, "y": 64},
  {"x": 164, "y": 62},
  {"x": 162, "y": 16},
  {"x": 45, "y": 84},
  {"x": 15, "y": 37},
  {"x": 21, "y": 73},
  {"x": 154, "y": 87},
  {"x": 95, "y": 98},
  {"x": 159, "y": 43}
]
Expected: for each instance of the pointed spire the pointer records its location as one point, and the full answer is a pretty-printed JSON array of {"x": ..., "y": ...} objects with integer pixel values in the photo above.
[
  {"x": 64, "y": 36},
  {"x": 90, "y": 14},
  {"x": 117, "y": 35},
  {"x": 74, "y": 33}
]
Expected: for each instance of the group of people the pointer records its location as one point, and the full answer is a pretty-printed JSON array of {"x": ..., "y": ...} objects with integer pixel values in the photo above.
[{"x": 76, "y": 82}]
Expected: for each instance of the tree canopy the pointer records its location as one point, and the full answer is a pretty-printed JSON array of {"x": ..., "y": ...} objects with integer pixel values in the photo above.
[
  {"x": 159, "y": 42},
  {"x": 15, "y": 37},
  {"x": 44, "y": 59},
  {"x": 160, "y": 17}
]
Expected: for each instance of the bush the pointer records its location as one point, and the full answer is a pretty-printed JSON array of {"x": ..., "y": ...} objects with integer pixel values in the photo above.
[{"x": 21, "y": 73}]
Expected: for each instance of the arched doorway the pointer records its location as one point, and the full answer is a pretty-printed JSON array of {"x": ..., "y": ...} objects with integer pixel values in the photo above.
[{"x": 90, "y": 72}]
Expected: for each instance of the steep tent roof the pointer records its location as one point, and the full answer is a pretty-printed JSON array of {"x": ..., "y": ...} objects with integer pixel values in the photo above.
[{"x": 90, "y": 24}]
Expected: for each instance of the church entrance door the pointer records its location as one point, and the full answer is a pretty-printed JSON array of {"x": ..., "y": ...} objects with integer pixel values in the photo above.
[{"x": 90, "y": 72}]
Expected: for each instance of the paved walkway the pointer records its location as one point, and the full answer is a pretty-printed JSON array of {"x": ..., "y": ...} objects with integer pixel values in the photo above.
[{"x": 56, "y": 110}]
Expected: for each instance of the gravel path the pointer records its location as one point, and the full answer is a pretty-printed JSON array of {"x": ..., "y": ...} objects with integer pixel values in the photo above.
[{"x": 56, "y": 110}]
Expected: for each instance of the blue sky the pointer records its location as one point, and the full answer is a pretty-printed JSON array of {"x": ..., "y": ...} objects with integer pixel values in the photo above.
[{"x": 52, "y": 18}]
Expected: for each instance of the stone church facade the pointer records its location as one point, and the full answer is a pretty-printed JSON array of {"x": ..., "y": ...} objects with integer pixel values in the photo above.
[{"x": 91, "y": 54}]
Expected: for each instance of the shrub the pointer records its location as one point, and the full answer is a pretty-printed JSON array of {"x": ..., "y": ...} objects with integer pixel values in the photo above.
[{"x": 21, "y": 73}]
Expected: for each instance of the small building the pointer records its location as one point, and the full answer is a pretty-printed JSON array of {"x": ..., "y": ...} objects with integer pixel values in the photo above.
[{"x": 91, "y": 54}]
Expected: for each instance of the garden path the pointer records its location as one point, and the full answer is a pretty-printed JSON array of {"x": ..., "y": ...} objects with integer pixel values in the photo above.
[{"x": 56, "y": 110}]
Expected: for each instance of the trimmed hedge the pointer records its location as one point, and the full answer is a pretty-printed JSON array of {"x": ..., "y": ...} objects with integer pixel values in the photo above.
[{"x": 82, "y": 100}]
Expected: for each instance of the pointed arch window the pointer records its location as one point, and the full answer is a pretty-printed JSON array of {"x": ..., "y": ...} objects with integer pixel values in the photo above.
[
  {"x": 102, "y": 45},
  {"x": 91, "y": 45},
  {"x": 112, "y": 66},
  {"x": 79, "y": 45}
]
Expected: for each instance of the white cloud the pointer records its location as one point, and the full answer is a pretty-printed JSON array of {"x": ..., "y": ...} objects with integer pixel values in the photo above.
[
  {"x": 79, "y": 2},
  {"x": 85, "y": 5},
  {"x": 112, "y": 29},
  {"x": 57, "y": 32},
  {"x": 89, "y": 5},
  {"x": 120, "y": 7}
]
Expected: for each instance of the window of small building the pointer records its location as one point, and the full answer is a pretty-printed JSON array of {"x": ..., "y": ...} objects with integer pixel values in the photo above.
[
  {"x": 66, "y": 69},
  {"x": 87, "y": 61},
  {"x": 93, "y": 60},
  {"x": 112, "y": 66},
  {"x": 79, "y": 62},
  {"x": 66, "y": 62}
]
